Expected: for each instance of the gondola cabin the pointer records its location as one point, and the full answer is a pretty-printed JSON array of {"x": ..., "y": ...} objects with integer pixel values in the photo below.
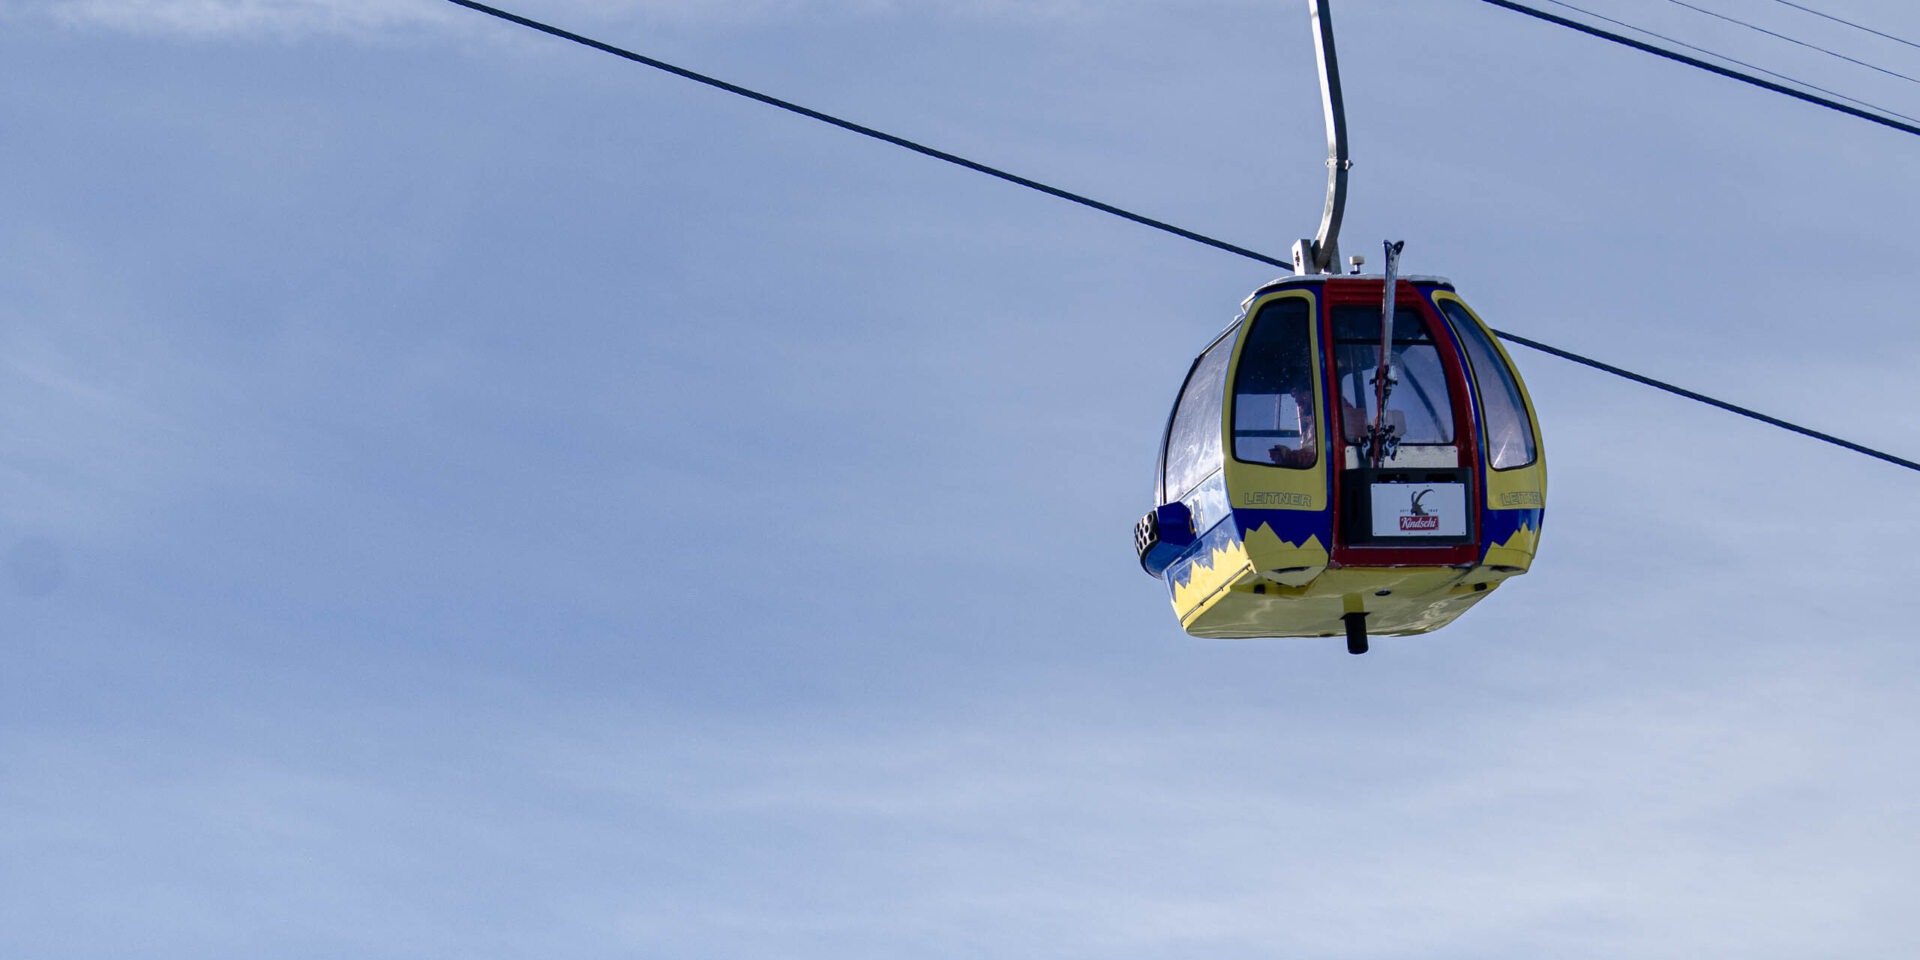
[{"x": 1292, "y": 503}]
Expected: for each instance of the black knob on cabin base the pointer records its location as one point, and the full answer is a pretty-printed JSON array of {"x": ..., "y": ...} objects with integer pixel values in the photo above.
[{"x": 1356, "y": 633}]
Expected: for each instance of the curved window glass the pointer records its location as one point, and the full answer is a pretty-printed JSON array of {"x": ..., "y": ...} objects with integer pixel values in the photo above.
[
  {"x": 1509, "y": 439},
  {"x": 1273, "y": 388},
  {"x": 1193, "y": 438},
  {"x": 1418, "y": 407}
]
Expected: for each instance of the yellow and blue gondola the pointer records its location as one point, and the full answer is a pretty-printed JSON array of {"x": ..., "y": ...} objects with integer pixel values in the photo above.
[{"x": 1289, "y": 506}]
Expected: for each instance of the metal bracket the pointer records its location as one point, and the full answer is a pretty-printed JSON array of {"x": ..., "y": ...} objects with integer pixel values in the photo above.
[{"x": 1303, "y": 258}]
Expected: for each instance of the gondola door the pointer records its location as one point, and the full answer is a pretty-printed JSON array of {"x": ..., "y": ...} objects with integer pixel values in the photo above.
[{"x": 1407, "y": 487}]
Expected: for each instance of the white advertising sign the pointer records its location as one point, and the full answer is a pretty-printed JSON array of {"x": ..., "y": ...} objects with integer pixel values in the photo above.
[{"x": 1419, "y": 509}]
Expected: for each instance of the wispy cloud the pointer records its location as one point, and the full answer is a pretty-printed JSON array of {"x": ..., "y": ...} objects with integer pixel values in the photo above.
[
  {"x": 290, "y": 18},
  {"x": 222, "y": 18}
]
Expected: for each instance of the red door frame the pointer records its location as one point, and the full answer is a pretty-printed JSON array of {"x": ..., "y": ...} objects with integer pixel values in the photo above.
[{"x": 1345, "y": 292}]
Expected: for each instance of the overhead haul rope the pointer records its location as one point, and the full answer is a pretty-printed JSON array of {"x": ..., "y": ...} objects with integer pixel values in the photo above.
[
  {"x": 1849, "y": 23},
  {"x": 1129, "y": 215},
  {"x": 1793, "y": 40},
  {"x": 1703, "y": 398},
  {"x": 1736, "y": 62},
  {"x": 867, "y": 131},
  {"x": 1797, "y": 94}
]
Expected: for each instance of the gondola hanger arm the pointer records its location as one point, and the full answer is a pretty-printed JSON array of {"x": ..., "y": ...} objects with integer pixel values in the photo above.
[{"x": 1322, "y": 253}]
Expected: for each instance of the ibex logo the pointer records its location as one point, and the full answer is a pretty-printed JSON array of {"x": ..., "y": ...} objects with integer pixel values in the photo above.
[{"x": 1417, "y": 519}]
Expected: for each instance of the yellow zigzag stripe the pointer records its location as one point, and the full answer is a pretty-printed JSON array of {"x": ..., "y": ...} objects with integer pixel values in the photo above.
[{"x": 1222, "y": 566}]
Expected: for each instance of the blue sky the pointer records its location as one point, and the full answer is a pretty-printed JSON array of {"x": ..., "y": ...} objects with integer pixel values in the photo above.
[{"x": 464, "y": 495}]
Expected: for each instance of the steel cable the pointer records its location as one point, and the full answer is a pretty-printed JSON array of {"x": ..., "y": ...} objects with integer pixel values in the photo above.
[{"x": 1793, "y": 40}]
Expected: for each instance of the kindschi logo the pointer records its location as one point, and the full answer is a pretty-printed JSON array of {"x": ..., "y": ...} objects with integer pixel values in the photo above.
[{"x": 1420, "y": 518}]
